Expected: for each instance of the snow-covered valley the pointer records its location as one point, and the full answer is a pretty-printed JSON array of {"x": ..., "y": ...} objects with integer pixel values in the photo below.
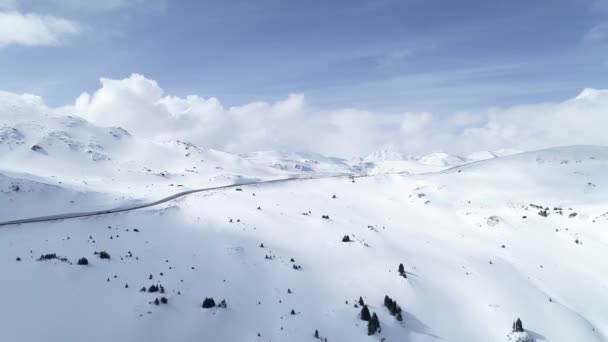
[{"x": 483, "y": 240}]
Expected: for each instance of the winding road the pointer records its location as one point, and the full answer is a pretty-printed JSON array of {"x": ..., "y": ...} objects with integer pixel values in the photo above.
[{"x": 160, "y": 201}]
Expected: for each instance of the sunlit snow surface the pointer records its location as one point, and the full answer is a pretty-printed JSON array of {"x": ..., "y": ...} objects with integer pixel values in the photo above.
[{"x": 445, "y": 218}]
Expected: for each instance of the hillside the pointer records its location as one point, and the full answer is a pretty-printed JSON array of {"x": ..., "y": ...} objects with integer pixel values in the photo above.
[{"x": 477, "y": 254}]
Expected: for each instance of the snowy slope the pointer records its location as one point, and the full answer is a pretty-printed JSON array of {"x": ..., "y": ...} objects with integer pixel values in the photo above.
[
  {"x": 484, "y": 240},
  {"x": 447, "y": 228}
]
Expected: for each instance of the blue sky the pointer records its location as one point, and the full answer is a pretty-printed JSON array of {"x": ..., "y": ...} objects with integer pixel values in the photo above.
[{"x": 385, "y": 55}]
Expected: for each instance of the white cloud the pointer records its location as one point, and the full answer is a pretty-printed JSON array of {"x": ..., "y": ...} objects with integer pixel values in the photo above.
[
  {"x": 597, "y": 33},
  {"x": 34, "y": 29},
  {"x": 141, "y": 106},
  {"x": 105, "y": 5}
]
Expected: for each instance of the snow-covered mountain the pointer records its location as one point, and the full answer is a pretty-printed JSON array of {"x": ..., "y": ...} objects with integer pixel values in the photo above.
[{"x": 482, "y": 244}]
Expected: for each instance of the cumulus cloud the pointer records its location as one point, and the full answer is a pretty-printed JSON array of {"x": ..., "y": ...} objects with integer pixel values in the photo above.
[
  {"x": 33, "y": 29},
  {"x": 140, "y": 105}
]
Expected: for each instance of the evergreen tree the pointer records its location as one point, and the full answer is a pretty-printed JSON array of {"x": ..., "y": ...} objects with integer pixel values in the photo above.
[
  {"x": 402, "y": 271},
  {"x": 387, "y": 301},
  {"x": 361, "y": 301},
  {"x": 365, "y": 316},
  {"x": 518, "y": 326},
  {"x": 316, "y": 333},
  {"x": 376, "y": 321}
]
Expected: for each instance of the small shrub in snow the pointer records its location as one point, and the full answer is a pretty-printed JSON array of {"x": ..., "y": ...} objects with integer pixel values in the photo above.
[
  {"x": 208, "y": 303},
  {"x": 164, "y": 300},
  {"x": 346, "y": 238},
  {"x": 153, "y": 288},
  {"x": 325, "y": 217},
  {"x": 83, "y": 261},
  {"x": 18, "y": 259}
]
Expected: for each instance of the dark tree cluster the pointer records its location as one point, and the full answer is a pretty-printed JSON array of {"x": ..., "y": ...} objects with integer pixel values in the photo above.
[
  {"x": 346, "y": 238},
  {"x": 52, "y": 256},
  {"x": 393, "y": 307},
  {"x": 296, "y": 267},
  {"x": 208, "y": 303},
  {"x": 518, "y": 326},
  {"x": 325, "y": 217},
  {"x": 222, "y": 304},
  {"x": 162, "y": 300},
  {"x": 83, "y": 261},
  {"x": 49, "y": 256},
  {"x": 156, "y": 288},
  {"x": 103, "y": 255},
  {"x": 544, "y": 213},
  {"x": 373, "y": 326}
]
